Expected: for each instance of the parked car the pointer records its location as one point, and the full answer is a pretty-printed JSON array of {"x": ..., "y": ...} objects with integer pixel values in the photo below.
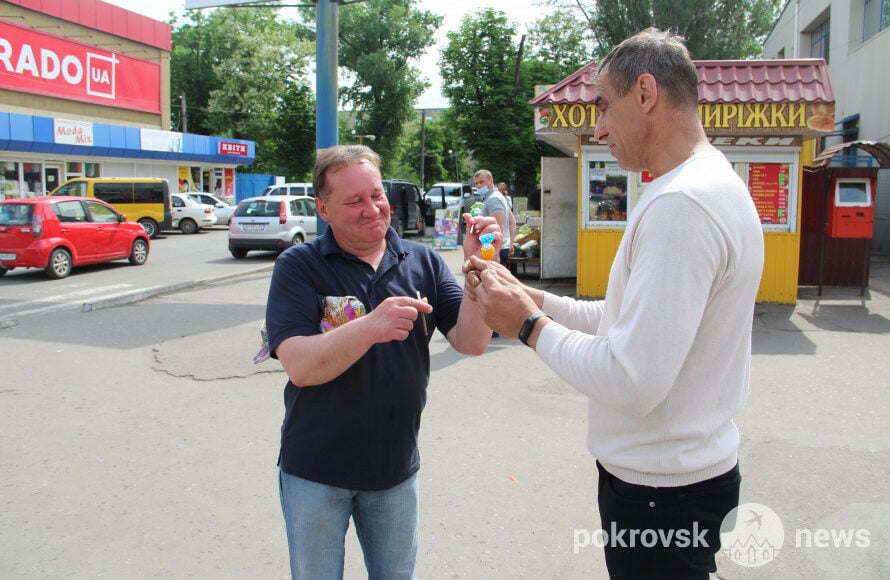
[
  {"x": 454, "y": 196},
  {"x": 222, "y": 209},
  {"x": 57, "y": 233},
  {"x": 407, "y": 206},
  {"x": 189, "y": 216},
  {"x": 290, "y": 189},
  {"x": 271, "y": 222},
  {"x": 142, "y": 199}
]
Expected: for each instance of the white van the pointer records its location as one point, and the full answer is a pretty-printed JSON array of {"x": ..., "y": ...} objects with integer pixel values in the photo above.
[{"x": 290, "y": 189}]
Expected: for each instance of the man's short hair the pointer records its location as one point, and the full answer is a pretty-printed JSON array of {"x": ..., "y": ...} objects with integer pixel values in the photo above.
[
  {"x": 659, "y": 53},
  {"x": 483, "y": 173},
  {"x": 333, "y": 158}
]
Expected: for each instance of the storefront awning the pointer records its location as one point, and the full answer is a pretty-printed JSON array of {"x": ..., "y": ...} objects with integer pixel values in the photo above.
[
  {"x": 880, "y": 151},
  {"x": 746, "y": 98},
  {"x": 46, "y": 135}
]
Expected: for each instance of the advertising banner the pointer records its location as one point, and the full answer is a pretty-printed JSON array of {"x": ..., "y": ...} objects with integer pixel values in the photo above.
[
  {"x": 445, "y": 230},
  {"x": 44, "y": 64}
]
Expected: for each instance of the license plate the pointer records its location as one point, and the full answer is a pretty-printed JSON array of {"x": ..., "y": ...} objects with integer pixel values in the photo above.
[
  {"x": 7, "y": 256},
  {"x": 253, "y": 227}
]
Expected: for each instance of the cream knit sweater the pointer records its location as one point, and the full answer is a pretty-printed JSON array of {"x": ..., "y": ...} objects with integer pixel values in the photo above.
[{"x": 664, "y": 359}]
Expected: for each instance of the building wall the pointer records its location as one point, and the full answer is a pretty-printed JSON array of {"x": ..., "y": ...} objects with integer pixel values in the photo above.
[
  {"x": 32, "y": 104},
  {"x": 858, "y": 74}
]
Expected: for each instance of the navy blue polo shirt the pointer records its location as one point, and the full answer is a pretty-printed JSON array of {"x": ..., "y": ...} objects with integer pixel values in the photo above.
[{"x": 358, "y": 431}]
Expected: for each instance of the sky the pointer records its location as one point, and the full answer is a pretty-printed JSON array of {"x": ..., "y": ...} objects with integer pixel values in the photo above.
[{"x": 521, "y": 12}]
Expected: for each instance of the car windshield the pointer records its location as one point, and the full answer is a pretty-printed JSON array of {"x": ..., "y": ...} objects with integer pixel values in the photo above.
[
  {"x": 16, "y": 214},
  {"x": 258, "y": 208}
]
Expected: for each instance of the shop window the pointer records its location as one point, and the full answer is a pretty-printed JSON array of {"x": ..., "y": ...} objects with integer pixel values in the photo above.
[
  {"x": 608, "y": 188},
  {"x": 33, "y": 174},
  {"x": 92, "y": 170},
  {"x": 876, "y": 17},
  {"x": 9, "y": 180},
  {"x": 772, "y": 182}
]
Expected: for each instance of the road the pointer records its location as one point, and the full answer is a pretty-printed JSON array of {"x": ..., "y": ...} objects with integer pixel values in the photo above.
[
  {"x": 174, "y": 259},
  {"x": 140, "y": 441}
]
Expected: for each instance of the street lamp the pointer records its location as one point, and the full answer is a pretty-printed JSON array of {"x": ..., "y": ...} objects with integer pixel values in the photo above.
[{"x": 362, "y": 137}]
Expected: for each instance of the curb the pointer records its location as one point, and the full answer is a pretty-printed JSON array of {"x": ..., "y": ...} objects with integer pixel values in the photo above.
[{"x": 140, "y": 295}]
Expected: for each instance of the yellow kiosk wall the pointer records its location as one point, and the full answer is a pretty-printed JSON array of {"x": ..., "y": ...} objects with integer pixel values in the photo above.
[{"x": 597, "y": 249}]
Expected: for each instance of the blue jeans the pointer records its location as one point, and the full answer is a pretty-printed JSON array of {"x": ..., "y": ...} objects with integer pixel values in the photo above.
[{"x": 317, "y": 516}]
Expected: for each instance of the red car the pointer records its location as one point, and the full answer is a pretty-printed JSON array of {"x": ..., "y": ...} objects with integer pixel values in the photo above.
[{"x": 59, "y": 232}]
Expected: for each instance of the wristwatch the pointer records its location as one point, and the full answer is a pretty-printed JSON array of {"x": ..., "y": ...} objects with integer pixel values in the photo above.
[{"x": 529, "y": 325}]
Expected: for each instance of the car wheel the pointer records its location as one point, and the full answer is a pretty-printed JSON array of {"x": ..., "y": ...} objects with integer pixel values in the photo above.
[
  {"x": 188, "y": 226},
  {"x": 139, "y": 252},
  {"x": 3, "y": 271},
  {"x": 297, "y": 240},
  {"x": 59, "y": 264},
  {"x": 150, "y": 226},
  {"x": 238, "y": 253}
]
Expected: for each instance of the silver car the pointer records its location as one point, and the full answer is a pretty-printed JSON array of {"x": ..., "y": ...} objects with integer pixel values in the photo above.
[
  {"x": 222, "y": 209},
  {"x": 271, "y": 222}
]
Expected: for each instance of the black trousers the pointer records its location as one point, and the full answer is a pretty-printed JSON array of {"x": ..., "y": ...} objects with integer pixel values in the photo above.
[{"x": 667, "y": 533}]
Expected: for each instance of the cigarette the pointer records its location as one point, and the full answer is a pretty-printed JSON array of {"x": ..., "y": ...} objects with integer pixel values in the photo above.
[{"x": 422, "y": 315}]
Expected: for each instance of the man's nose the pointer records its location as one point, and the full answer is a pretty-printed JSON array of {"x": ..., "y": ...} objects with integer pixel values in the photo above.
[{"x": 599, "y": 130}]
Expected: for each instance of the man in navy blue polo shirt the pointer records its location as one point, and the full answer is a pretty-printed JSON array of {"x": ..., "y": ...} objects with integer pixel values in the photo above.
[{"x": 350, "y": 316}]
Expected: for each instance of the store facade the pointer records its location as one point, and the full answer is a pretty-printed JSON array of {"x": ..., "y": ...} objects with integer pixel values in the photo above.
[
  {"x": 85, "y": 92},
  {"x": 764, "y": 115}
]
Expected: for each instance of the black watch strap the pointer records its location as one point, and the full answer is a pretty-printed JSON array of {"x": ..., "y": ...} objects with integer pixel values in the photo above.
[{"x": 529, "y": 325}]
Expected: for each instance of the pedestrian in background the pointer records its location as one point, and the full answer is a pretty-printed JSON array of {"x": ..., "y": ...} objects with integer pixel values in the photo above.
[
  {"x": 496, "y": 205},
  {"x": 350, "y": 316},
  {"x": 665, "y": 358}
]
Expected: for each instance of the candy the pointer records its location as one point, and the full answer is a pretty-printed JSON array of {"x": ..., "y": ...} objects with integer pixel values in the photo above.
[
  {"x": 476, "y": 209},
  {"x": 487, "y": 250}
]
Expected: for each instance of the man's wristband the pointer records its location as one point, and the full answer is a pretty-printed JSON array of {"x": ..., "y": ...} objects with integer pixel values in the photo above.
[{"x": 529, "y": 325}]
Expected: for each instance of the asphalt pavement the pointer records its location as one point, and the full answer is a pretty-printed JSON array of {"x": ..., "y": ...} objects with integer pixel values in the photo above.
[{"x": 139, "y": 440}]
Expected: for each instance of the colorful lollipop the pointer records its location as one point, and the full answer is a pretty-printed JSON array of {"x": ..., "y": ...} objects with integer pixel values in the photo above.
[{"x": 487, "y": 250}]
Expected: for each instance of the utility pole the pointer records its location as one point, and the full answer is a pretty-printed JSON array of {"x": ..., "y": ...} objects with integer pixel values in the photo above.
[
  {"x": 183, "y": 120},
  {"x": 422, "y": 147}
]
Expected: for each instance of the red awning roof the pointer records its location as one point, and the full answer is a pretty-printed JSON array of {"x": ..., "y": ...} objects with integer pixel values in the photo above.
[
  {"x": 880, "y": 151},
  {"x": 723, "y": 81}
]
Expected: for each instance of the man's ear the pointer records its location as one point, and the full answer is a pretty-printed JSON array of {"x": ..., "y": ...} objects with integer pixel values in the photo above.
[
  {"x": 647, "y": 92},
  {"x": 321, "y": 208}
]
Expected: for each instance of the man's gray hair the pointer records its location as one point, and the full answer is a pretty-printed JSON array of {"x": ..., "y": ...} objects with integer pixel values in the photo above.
[
  {"x": 334, "y": 158},
  {"x": 659, "y": 53}
]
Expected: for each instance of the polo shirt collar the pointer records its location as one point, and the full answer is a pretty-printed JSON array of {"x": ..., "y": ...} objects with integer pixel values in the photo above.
[{"x": 328, "y": 244}]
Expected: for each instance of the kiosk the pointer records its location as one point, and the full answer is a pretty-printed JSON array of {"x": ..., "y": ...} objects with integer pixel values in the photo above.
[{"x": 764, "y": 115}]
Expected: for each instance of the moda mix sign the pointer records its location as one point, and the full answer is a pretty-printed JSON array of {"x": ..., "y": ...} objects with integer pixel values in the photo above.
[{"x": 43, "y": 64}]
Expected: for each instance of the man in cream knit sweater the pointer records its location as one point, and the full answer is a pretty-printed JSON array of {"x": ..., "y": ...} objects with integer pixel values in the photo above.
[{"x": 664, "y": 359}]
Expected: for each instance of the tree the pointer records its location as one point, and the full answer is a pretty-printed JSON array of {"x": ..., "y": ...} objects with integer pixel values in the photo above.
[
  {"x": 714, "y": 29},
  {"x": 482, "y": 69},
  {"x": 378, "y": 40},
  {"x": 562, "y": 40},
  {"x": 243, "y": 72}
]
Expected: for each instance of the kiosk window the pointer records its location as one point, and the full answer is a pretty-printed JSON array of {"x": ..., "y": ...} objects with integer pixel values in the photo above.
[{"x": 607, "y": 189}]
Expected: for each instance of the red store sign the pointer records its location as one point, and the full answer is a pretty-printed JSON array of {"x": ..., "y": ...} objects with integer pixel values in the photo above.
[
  {"x": 229, "y": 148},
  {"x": 43, "y": 64}
]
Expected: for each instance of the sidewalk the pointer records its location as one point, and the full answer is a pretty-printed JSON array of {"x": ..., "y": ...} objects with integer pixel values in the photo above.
[
  {"x": 815, "y": 444},
  {"x": 167, "y": 458}
]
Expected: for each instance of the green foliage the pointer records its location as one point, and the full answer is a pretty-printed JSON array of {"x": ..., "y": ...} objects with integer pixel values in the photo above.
[
  {"x": 488, "y": 100},
  {"x": 561, "y": 39},
  {"x": 714, "y": 29},
  {"x": 243, "y": 73},
  {"x": 378, "y": 40}
]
